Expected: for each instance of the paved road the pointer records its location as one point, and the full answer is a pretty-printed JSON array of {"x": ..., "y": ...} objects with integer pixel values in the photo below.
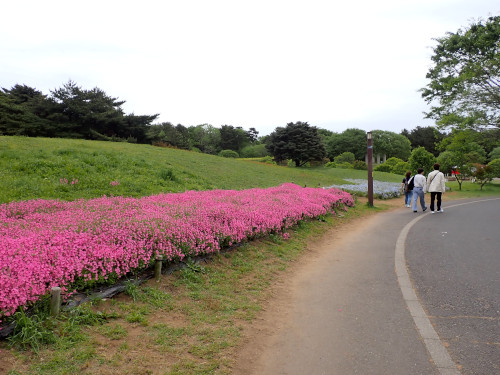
[
  {"x": 454, "y": 262},
  {"x": 348, "y": 314}
]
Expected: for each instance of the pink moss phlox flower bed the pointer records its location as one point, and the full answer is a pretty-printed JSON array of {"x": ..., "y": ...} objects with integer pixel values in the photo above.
[{"x": 46, "y": 243}]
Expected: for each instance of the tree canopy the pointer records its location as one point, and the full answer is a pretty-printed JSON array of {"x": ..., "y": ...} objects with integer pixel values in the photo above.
[
  {"x": 350, "y": 140},
  {"x": 464, "y": 81},
  {"x": 298, "y": 142},
  {"x": 427, "y": 137},
  {"x": 69, "y": 112},
  {"x": 421, "y": 158},
  {"x": 391, "y": 144}
]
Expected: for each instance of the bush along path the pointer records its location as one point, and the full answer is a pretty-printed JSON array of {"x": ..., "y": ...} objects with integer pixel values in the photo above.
[{"x": 79, "y": 244}]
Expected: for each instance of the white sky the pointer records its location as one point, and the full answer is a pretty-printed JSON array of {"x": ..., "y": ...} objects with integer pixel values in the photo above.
[{"x": 248, "y": 63}]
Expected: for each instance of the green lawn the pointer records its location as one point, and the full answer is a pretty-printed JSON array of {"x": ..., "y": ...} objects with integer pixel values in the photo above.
[{"x": 32, "y": 168}]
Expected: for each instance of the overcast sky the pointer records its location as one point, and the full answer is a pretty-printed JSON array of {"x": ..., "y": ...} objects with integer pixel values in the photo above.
[{"x": 255, "y": 63}]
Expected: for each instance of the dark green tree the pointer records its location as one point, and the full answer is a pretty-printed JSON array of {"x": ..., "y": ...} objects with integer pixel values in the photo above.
[
  {"x": 232, "y": 138},
  {"x": 17, "y": 117},
  {"x": 298, "y": 142},
  {"x": 92, "y": 114},
  {"x": 427, "y": 137},
  {"x": 253, "y": 135},
  {"x": 350, "y": 140},
  {"x": 464, "y": 81}
]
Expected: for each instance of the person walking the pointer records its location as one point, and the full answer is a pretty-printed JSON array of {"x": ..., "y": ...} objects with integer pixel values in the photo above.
[
  {"x": 407, "y": 189},
  {"x": 435, "y": 185},
  {"x": 419, "y": 186}
]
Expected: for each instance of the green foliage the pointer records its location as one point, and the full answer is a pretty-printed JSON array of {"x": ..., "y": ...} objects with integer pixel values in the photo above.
[
  {"x": 464, "y": 83},
  {"x": 350, "y": 140},
  {"x": 494, "y": 154},
  {"x": 401, "y": 167},
  {"x": 446, "y": 160},
  {"x": 298, "y": 142},
  {"x": 391, "y": 144},
  {"x": 70, "y": 112},
  {"x": 254, "y": 151},
  {"x": 168, "y": 134},
  {"x": 167, "y": 175},
  {"x": 345, "y": 157},
  {"x": 495, "y": 166},
  {"x": 345, "y": 165},
  {"x": 360, "y": 165},
  {"x": 331, "y": 164},
  {"x": 383, "y": 168},
  {"x": 206, "y": 138},
  {"x": 421, "y": 158},
  {"x": 389, "y": 165},
  {"x": 427, "y": 137},
  {"x": 464, "y": 148},
  {"x": 483, "y": 174},
  {"x": 232, "y": 138},
  {"x": 228, "y": 154}
]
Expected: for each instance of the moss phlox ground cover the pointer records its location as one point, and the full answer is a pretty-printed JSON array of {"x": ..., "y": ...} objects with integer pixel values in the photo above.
[{"x": 46, "y": 243}]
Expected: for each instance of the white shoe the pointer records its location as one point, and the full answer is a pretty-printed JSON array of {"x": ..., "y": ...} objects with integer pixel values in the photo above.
[
  {"x": 441, "y": 210},
  {"x": 432, "y": 212}
]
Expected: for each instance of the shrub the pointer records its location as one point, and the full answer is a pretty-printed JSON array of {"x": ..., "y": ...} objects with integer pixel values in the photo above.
[
  {"x": 383, "y": 168},
  {"x": 345, "y": 165},
  {"x": 495, "y": 166},
  {"x": 421, "y": 158},
  {"x": 401, "y": 168},
  {"x": 267, "y": 159},
  {"x": 359, "y": 164},
  {"x": 388, "y": 165},
  {"x": 331, "y": 164},
  {"x": 345, "y": 157},
  {"x": 494, "y": 154},
  {"x": 229, "y": 154},
  {"x": 255, "y": 151}
]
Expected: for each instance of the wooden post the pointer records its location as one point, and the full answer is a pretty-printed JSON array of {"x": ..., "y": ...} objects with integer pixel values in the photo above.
[
  {"x": 55, "y": 300},
  {"x": 369, "y": 146},
  {"x": 158, "y": 262}
]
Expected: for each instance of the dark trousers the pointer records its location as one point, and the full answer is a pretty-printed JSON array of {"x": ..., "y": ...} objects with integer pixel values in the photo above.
[{"x": 434, "y": 195}]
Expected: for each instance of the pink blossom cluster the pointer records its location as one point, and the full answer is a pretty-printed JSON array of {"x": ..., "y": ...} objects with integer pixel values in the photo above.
[
  {"x": 114, "y": 183},
  {"x": 46, "y": 243}
]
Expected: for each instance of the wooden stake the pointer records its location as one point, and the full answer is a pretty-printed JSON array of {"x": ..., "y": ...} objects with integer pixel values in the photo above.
[
  {"x": 158, "y": 262},
  {"x": 55, "y": 300}
]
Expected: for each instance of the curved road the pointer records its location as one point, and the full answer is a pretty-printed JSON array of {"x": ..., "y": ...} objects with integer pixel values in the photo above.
[
  {"x": 454, "y": 262},
  {"x": 355, "y": 311}
]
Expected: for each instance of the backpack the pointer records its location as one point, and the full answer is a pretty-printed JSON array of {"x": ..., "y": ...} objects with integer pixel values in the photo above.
[{"x": 411, "y": 184}]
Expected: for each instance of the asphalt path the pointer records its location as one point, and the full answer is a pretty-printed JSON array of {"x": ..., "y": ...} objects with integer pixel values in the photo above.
[
  {"x": 454, "y": 262},
  {"x": 406, "y": 293}
]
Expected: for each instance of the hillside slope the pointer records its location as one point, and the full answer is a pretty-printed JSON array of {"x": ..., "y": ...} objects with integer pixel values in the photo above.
[{"x": 54, "y": 168}]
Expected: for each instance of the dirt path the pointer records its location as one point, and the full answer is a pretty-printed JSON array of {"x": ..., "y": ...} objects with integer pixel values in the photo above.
[{"x": 340, "y": 309}]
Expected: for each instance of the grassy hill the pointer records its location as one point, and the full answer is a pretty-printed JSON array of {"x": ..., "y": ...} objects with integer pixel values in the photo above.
[{"x": 33, "y": 168}]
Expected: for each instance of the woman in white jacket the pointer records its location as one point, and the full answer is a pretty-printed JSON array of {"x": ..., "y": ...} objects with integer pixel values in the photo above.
[{"x": 435, "y": 185}]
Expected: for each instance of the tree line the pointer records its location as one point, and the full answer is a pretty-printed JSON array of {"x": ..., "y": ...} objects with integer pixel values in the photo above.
[
  {"x": 73, "y": 112},
  {"x": 463, "y": 93}
]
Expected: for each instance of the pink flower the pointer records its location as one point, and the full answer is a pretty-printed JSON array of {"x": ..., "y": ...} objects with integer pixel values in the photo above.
[{"x": 53, "y": 243}]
